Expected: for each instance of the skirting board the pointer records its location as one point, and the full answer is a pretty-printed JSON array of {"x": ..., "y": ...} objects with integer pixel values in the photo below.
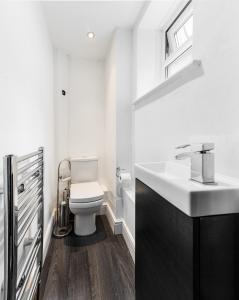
[
  {"x": 119, "y": 226},
  {"x": 47, "y": 235},
  {"x": 129, "y": 240}
]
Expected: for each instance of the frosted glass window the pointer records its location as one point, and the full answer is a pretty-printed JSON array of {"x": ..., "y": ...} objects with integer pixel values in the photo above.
[
  {"x": 178, "y": 41},
  {"x": 184, "y": 33},
  {"x": 178, "y": 64}
]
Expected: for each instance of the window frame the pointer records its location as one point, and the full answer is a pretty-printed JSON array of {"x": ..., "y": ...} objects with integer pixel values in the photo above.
[{"x": 184, "y": 10}]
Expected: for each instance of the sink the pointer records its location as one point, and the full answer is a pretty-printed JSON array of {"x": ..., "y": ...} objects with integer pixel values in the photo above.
[{"x": 172, "y": 181}]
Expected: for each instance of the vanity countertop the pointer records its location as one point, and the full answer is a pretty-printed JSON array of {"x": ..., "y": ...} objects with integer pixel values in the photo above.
[{"x": 172, "y": 181}]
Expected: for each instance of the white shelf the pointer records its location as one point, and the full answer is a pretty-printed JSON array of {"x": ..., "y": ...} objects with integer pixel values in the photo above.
[{"x": 190, "y": 72}]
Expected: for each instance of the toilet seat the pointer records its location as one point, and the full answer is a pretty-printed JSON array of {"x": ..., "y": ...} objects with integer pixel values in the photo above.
[
  {"x": 85, "y": 192},
  {"x": 85, "y": 205}
]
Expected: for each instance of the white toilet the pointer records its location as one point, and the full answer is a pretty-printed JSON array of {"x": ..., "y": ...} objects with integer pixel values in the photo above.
[{"x": 86, "y": 195}]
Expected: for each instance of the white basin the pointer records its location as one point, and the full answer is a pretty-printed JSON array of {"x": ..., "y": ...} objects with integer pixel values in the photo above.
[{"x": 172, "y": 181}]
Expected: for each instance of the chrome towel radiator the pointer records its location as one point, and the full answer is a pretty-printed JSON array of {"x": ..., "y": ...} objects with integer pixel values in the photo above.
[{"x": 24, "y": 213}]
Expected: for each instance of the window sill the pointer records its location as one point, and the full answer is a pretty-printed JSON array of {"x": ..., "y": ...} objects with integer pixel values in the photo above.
[{"x": 190, "y": 72}]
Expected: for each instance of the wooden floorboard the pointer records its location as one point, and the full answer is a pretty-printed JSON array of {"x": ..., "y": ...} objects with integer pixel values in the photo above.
[{"x": 100, "y": 270}]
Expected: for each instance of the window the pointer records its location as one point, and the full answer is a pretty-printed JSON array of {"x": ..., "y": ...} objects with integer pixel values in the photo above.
[
  {"x": 184, "y": 33},
  {"x": 178, "y": 41}
]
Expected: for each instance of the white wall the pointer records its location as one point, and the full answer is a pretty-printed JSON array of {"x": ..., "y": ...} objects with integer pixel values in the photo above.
[
  {"x": 27, "y": 107},
  {"x": 118, "y": 115},
  {"x": 207, "y": 108},
  {"x": 86, "y": 110},
  {"x": 147, "y": 60},
  {"x": 61, "y": 82},
  {"x": 110, "y": 120},
  {"x": 26, "y": 84},
  {"x": 124, "y": 98}
]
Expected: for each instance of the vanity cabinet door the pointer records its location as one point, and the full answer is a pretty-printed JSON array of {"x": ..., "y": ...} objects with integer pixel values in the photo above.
[
  {"x": 184, "y": 258},
  {"x": 164, "y": 249},
  {"x": 219, "y": 257}
]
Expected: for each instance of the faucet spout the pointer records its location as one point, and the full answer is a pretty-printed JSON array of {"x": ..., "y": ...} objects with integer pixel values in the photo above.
[{"x": 183, "y": 155}]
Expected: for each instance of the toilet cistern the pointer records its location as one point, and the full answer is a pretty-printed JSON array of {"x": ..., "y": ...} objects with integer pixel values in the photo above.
[{"x": 202, "y": 161}]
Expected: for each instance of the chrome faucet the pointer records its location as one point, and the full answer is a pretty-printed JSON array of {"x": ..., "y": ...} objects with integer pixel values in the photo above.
[{"x": 202, "y": 161}]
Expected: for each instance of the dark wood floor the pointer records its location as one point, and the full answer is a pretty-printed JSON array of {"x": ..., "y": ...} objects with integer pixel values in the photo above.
[{"x": 103, "y": 270}]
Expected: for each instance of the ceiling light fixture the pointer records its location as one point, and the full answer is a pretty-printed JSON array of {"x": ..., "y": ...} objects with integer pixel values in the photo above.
[{"x": 91, "y": 35}]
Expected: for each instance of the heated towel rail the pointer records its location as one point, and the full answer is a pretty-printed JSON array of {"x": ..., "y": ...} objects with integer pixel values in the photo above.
[{"x": 24, "y": 212}]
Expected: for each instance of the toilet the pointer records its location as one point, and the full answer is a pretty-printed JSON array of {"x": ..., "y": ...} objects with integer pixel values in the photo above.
[{"x": 86, "y": 194}]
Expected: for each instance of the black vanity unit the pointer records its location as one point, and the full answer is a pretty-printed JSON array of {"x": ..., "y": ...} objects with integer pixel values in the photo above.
[{"x": 184, "y": 258}]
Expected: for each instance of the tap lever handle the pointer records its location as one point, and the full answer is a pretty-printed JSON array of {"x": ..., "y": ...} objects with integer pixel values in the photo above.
[
  {"x": 183, "y": 146},
  {"x": 198, "y": 147}
]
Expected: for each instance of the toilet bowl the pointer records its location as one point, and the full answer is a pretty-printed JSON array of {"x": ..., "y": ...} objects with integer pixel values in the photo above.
[{"x": 85, "y": 201}]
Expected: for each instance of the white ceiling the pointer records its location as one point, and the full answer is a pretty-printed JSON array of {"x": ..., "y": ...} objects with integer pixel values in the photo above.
[
  {"x": 69, "y": 23},
  {"x": 155, "y": 12}
]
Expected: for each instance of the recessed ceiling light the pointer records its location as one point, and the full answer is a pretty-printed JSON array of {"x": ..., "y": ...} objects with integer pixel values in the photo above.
[{"x": 91, "y": 35}]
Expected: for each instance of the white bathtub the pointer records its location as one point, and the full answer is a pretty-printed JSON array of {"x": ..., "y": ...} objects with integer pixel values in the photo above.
[{"x": 129, "y": 209}]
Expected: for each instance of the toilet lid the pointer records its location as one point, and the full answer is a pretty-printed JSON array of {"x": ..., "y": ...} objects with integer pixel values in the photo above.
[{"x": 86, "y": 192}]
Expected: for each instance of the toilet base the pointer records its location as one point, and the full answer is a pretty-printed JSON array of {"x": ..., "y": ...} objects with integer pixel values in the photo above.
[{"x": 84, "y": 224}]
